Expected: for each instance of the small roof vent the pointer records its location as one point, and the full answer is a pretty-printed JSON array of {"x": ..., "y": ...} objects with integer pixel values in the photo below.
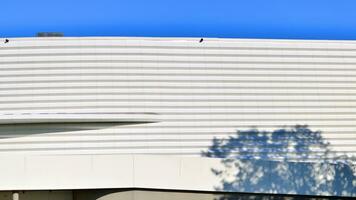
[{"x": 50, "y": 34}]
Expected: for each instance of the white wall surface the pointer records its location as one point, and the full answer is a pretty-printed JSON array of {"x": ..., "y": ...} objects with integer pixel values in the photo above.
[
  {"x": 196, "y": 91},
  {"x": 172, "y": 172}
]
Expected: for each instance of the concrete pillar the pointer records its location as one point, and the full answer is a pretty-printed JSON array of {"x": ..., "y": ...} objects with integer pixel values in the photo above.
[{"x": 15, "y": 196}]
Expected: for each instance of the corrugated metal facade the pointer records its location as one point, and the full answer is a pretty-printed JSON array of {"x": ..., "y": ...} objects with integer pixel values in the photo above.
[{"x": 197, "y": 91}]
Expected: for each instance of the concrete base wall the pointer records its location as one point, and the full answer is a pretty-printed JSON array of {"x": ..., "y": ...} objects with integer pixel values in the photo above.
[{"x": 39, "y": 195}]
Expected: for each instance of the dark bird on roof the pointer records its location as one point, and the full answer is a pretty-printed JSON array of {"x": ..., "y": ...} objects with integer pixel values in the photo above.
[
  {"x": 6, "y": 41},
  {"x": 201, "y": 40}
]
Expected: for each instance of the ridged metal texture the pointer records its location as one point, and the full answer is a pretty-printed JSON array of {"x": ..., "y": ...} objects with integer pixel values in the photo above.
[{"x": 197, "y": 90}]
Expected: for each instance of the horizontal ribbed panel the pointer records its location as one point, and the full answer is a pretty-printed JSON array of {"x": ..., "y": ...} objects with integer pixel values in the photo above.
[{"x": 199, "y": 91}]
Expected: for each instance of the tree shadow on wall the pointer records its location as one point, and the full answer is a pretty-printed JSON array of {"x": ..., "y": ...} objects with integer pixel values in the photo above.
[{"x": 294, "y": 160}]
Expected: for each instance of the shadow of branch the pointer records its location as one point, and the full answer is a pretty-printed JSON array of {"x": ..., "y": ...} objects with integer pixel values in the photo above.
[{"x": 293, "y": 160}]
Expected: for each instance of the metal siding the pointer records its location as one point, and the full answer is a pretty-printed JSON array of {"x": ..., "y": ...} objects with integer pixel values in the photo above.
[{"x": 199, "y": 91}]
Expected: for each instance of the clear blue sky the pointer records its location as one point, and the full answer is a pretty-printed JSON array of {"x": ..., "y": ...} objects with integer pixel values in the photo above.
[{"x": 298, "y": 19}]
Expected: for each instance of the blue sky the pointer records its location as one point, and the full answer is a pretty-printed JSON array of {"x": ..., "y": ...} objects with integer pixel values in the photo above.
[{"x": 296, "y": 19}]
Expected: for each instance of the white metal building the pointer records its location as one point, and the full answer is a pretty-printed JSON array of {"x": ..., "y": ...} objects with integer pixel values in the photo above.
[{"x": 233, "y": 115}]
